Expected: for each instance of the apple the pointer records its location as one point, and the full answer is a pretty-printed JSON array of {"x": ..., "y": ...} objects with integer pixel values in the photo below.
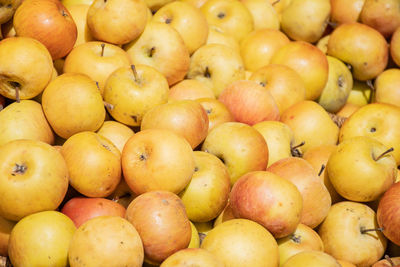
[
  {"x": 318, "y": 157},
  {"x": 363, "y": 47},
  {"x": 216, "y": 111},
  {"x": 241, "y": 242},
  {"x": 55, "y": 231},
  {"x": 264, "y": 14},
  {"x": 311, "y": 187},
  {"x": 30, "y": 169},
  {"x": 217, "y": 66},
  {"x": 297, "y": 27},
  {"x": 268, "y": 199},
  {"x": 162, "y": 223},
  {"x": 188, "y": 20},
  {"x": 207, "y": 193},
  {"x": 26, "y": 67},
  {"x": 97, "y": 60},
  {"x": 192, "y": 257},
  {"x": 387, "y": 214},
  {"x": 322, "y": 43},
  {"x": 285, "y": 84},
  {"x": 133, "y": 91},
  {"x": 309, "y": 62},
  {"x": 94, "y": 164},
  {"x": 387, "y": 262},
  {"x": 302, "y": 239},
  {"x": 24, "y": 120},
  {"x": 184, "y": 117},
  {"x": 81, "y": 209},
  {"x": 347, "y": 110},
  {"x": 379, "y": 121},
  {"x": 225, "y": 215},
  {"x": 231, "y": 16},
  {"x": 249, "y": 102},
  {"x": 348, "y": 233},
  {"x": 105, "y": 26},
  {"x": 383, "y": 15},
  {"x": 48, "y": 22},
  {"x": 395, "y": 46},
  {"x": 370, "y": 169},
  {"x": 195, "y": 239},
  {"x": 116, "y": 132},
  {"x": 338, "y": 87},
  {"x": 5, "y": 229},
  {"x": 344, "y": 11},
  {"x": 162, "y": 47},
  {"x": 279, "y": 138},
  {"x": 258, "y": 47},
  {"x": 218, "y": 36},
  {"x": 157, "y": 159},
  {"x": 311, "y": 259},
  {"x": 72, "y": 103},
  {"x": 385, "y": 87},
  {"x": 361, "y": 93},
  {"x": 190, "y": 89},
  {"x": 79, "y": 14},
  {"x": 240, "y": 147},
  {"x": 310, "y": 124},
  {"x": 106, "y": 241}
]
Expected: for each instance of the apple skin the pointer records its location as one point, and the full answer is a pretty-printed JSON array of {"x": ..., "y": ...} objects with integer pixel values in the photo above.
[
  {"x": 162, "y": 223},
  {"x": 341, "y": 233},
  {"x": 269, "y": 200},
  {"x": 116, "y": 132},
  {"x": 48, "y": 22},
  {"x": 190, "y": 89},
  {"x": 249, "y": 102},
  {"x": 363, "y": 47},
  {"x": 79, "y": 13},
  {"x": 343, "y": 11},
  {"x": 241, "y": 147},
  {"x": 377, "y": 120},
  {"x": 395, "y": 46},
  {"x": 192, "y": 257},
  {"x": 311, "y": 258},
  {"x": 241, "y": 242},
  {"x": 216, "y": 111},
  {"x": 26, "y": 65},
  {"x": 387, "y": 213},
  {"x": 81, "y": 209},
  {"x": 42, "y": 171},
  {"x": 386, "y": 85}
]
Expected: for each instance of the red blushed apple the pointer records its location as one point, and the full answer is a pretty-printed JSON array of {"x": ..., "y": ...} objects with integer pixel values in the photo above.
[
  {"x": 49, "y": 22},
  {"x": 388, "y": 213},
  {"x": 249, "y": 102},
  {"x": 81, "y": 209}
]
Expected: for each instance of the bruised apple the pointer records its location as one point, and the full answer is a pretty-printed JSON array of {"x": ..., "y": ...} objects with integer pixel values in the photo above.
[
  {"x": 81, "y": 209},
  {"x": 162, "y": 223}
]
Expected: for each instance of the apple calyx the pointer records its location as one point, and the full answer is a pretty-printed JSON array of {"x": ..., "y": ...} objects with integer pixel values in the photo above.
[
  {"x": 103, "y": 45},
  {"x": 363, "y": 230},
  {"x": 321, "y": 170},
  {"x": 168, "y": 21},
  {"x": 19, "y": 169},
  {"x": 295, "y": 238},
  {"x": 221, "y": 15},
  {"x": 295, "y": 151},
  {"x": 384, "y": 153}
]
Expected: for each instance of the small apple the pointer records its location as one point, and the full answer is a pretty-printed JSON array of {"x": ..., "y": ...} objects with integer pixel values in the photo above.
[
  {"x": 48, "y": 22},
  {"x": 30, "y": 169},
  {"x": 386, "y": 85}
]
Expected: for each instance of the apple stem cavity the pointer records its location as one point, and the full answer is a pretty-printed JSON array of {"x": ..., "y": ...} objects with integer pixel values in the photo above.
[
  {"x": 134, "y": 72},
  {"x": 384, "y": 153},
  {"x": 103, "y": 45},
  {"x": 363, "y": 230},
  {"x": 321, "y": 170},
  {"x": 108, "y": 105},
  {"x": 389, "y": 260}
]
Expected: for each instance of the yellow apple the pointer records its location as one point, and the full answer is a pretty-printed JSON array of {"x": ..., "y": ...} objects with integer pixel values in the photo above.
[
  {"x": 162, "y": 47},
  {"x": 188, "y": 20},
  {"x": 264, "y": 14},
  {"x": 242, "y": 242},
  {"x": 311, "y": 259},
  {"x": 258, "y": 47},
  {"x": 347, "y": 110},
  {"x": 344, "y": 11},
  {"x": 5, "y": 229},
  {"x": 26, "y": 67},
  {"x": 97, "y": 60},
  {"x": 361, "y": 94},
  {"x": 68, "y": 3},
  {"x": 386, "y": 87},
  {"x": 309, "y": 62},
  {"x": 217, "y": 66},
  {"x": 190, "y": 89},
  {"x": 395, "y": 46},
  {"x": 216, "y": 111},
  {"x": 217, "y": 36},
  {"x": 195, "y": 239},
  {"x": 232, "y": 16},
  {"x": 192, "y": 257},
  {"x": 72, "y": 103},
  {"x": 24, "y": 120},
  {"x": 78, "y": 13},
  {"x": 116, "y": 132}
]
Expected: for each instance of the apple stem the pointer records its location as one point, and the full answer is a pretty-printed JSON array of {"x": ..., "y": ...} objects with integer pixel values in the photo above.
[
  {"x": 299, "y": 145},
  {"x": 134, "y": 72},
  {"x": 276, "y": 2},
  {"x": 389, "y": 260},
  {"x": 384, "y": 153},
  {"x": 108, "y": 105},
  {"x": 370, "y": 85},
  {"x": 102, "y": 49},
  {"x": 321, "y": 170},
  {"x": 295, "y": 151},
  {"x": 363, "y": 230}
]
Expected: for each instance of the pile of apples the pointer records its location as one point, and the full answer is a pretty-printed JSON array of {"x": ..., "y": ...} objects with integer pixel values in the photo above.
[{"x": 236, "y": 133}]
